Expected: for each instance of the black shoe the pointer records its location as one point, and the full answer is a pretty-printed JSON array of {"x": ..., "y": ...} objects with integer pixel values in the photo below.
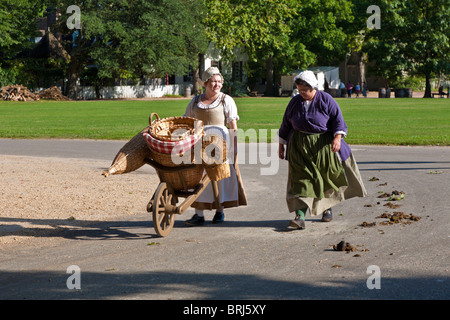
[
  {"x": 297, "y": 223},
  {"x": 196, "y": 220},
  {"x": 219, "y": 217},
  {"x": 327, "y": 215}
]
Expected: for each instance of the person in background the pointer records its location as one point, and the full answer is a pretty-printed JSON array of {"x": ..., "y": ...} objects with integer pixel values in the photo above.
[
  {"x": 349, "y": 89},
  {"x": 342, "y": 88},
  {"x": 357, "y": 89},
  {"x": 441, "y": 91},
  {"x": 322, "y": 170},
  {"x": 364, "y": 87}
]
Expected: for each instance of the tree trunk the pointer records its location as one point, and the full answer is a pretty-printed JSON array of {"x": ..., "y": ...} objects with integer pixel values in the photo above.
[
  {"x": 197, "y": 74},
  {"x": 269, "y": 76},
  {"x": 201, "y": 64},
  {"x": 362, "y": 67},
  {"x": 72, "y": 79},
  {"x": 195, "y": 85},
  {"x": 276, "y": 80},
  {"x": 427, "y": 85}
]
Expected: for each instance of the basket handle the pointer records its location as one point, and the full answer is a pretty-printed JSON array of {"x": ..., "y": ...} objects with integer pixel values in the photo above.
[{"x": 150, "y": 118}]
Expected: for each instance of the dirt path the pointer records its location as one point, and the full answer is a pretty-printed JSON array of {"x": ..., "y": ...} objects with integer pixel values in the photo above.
[{"x": 43, "y": 195}]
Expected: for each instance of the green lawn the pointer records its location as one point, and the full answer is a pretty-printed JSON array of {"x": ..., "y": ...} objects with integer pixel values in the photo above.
[{"x": 371, "y": 121}]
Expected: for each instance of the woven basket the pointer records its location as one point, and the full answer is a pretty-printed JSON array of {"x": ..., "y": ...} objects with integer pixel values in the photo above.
[
  {"x": 174, "y": 128},
  {"x": 165, "y": 159},
  {"x": 131, "y": 156},
  {"x": 210, "y": 145},
  {"x": 218, "y": 172},
  {"x": 216, "y": 169},
  {"x": 191, "y": 178}
]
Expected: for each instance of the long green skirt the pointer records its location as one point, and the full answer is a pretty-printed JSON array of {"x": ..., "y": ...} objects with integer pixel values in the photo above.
[
  {"x": 313, "y": 167},
  {"x": 318, "y": 179}
]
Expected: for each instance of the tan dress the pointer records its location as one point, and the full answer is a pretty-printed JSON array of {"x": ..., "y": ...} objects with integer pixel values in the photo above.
[{"x": 214, "y": 117}]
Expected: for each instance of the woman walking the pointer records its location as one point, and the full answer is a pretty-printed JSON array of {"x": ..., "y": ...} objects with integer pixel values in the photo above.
[{"x": 322, "y": 169}]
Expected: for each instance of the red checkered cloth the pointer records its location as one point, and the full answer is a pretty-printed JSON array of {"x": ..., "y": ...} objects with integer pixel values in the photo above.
[{"x": 168, "y": 146}]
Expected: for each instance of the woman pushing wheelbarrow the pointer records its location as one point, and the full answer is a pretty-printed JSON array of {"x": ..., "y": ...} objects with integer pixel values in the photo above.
[{"x": 217, "y": 111}]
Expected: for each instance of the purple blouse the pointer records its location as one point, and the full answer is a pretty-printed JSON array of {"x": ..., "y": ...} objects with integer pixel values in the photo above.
[{"x": 323, "y": 115}]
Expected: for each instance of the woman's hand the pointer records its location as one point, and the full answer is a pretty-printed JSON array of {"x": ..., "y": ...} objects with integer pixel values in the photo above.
[
  {"x": 336, "y": 144},
  {"x": 281, "y": 151}
]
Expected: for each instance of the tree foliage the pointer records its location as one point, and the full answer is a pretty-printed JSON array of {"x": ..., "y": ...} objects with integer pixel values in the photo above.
[
  {"x": 322, "y": 31},
  {"x": 131, "y": 38},
  {"x": 149, "y": 37},
  {"x": 252, "y": 25},
  {"x": 281, "y": 35},
  {"x": 17, "y": 26},
  {"x": 18, "y": 23},
  {"x": 414, "y": 37}
]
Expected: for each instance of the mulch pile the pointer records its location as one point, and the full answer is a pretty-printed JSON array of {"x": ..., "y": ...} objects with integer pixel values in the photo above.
[
  {"x": 17, "y": 93},
  {"x": 21, "y": 93},
  {"x": 52, "y": 93}
]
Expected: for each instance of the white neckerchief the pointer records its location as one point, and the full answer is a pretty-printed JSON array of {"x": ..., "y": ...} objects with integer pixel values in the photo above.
[
  {"x": 307, "y": 104},
  {"x": 214, "y": 104}
]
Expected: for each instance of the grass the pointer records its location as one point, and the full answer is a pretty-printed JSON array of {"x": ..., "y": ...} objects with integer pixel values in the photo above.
[
  {"x": 398, "y": 121},
  {"x": 370, "y": 121}
]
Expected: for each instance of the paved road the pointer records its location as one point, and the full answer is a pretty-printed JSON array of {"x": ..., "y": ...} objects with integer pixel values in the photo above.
[{"x": 253, "y": 255}]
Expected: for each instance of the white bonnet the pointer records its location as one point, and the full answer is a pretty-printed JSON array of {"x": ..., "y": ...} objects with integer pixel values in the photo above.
[
  {"x": 208, "y": 73},
  {"x": 309, "y": 77}
]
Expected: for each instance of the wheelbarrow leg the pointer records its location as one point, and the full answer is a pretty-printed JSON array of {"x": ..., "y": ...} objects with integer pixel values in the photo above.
[
  {"x": 182, "y": 207},
  {"x": 150, "y": 204}
]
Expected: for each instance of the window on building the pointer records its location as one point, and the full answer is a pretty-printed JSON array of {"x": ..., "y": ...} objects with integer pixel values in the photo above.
[{"x": 237, "y": 71}]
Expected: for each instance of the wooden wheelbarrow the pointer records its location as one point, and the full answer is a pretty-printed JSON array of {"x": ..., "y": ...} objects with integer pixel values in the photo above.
[{"x": 164, "y": 202}]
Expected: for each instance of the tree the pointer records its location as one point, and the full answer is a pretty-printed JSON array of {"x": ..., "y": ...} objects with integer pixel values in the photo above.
[
  {"x": 321, "y": 30},
  {"x": 258, "y": 27},
  {"x": 149, "y": 37},
  {"x": 414, "y": 37},
  {"x": 320, "y": 35},
  {"x": 281, "y": 35},
  {"x": 18, "y": 25}
]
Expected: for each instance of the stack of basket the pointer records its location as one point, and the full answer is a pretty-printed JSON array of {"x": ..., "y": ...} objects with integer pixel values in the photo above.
[
  {"x": 214, "y": 157},
  {"x": 131, "y": 156},
  {"x": 174, "y": 137}
]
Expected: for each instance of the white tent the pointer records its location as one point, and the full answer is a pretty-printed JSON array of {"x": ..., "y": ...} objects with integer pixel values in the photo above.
[{"x": 328, "y": 74}]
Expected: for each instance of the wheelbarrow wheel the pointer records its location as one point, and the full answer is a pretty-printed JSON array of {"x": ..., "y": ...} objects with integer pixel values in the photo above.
[{"x": 163, "y": 214}]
